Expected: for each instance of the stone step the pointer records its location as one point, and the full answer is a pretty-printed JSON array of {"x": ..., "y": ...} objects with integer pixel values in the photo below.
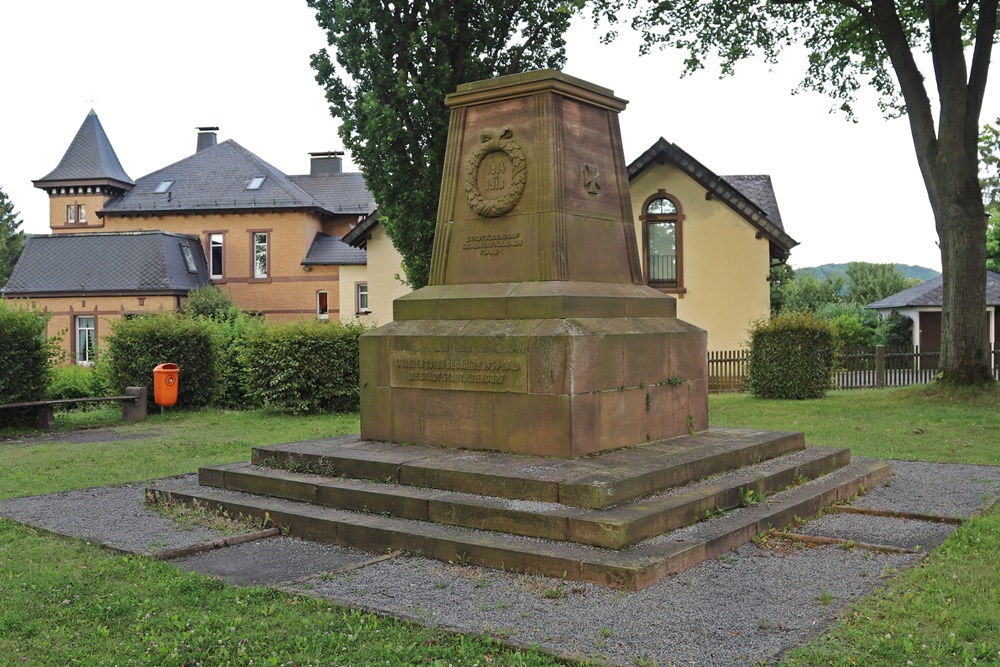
[
  {"x": 613, "y": 528},
  {"x": 631, "y": 569},
  {"x": 596, "y": 481}
]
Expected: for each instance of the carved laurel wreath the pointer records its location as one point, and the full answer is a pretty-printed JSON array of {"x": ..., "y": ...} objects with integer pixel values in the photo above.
[{"x": 494, "y": 141}]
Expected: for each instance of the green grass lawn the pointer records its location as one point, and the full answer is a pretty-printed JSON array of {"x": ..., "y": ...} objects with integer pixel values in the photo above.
[{"x": 67, "y": 602}]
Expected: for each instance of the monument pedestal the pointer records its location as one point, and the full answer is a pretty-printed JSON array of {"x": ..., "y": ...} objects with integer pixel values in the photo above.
[
  {"x": 537, "y": 334},
  {"x": 545, "y": 375}
]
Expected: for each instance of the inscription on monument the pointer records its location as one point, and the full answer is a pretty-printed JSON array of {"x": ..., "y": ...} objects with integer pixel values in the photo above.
[
  {"x": 469, "y": 371},
  {"x": 492, "y": 244}
]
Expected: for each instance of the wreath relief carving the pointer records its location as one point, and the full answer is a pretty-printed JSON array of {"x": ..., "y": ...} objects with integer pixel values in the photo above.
[{"x": 505, "y": 182}]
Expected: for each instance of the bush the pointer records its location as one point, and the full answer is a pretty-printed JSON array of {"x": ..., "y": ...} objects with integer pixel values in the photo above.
[
  {"x": 210, "y": 302},
  {"x": 895, "y": 330},
  {"x": 304, "y": 367},
  {"x": 26, "y": 360},
  {"x": 791, "y": 356},
  {"x": 231, "y": 334},
  {"x": 70, "y": 382},
  {"x": 138, "y": 345}
]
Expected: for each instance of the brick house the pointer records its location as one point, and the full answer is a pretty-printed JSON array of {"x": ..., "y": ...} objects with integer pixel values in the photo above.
[{"x": 272, "y": 241}]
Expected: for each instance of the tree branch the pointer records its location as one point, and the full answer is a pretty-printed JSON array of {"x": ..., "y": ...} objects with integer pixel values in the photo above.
[
  {"x": 911, "y": 81},
  {"x": 985, "y": 34}
]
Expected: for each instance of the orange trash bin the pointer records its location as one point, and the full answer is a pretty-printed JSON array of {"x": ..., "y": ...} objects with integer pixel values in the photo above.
[{"x": 165, "y": 380}]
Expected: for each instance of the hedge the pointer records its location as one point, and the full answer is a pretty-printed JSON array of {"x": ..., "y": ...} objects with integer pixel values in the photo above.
[
  {"x": 304, "y": 367},
  {"x": 26, "y": 360},
  {"x": 791, "y": 356},
  {"x": 137, "y": 345}
]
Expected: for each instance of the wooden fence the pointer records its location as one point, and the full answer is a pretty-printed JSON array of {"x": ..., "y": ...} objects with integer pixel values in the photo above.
[{"x": 856, "y": 368}]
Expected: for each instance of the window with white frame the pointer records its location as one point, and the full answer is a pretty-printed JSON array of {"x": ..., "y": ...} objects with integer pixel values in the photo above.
[
  {"x": 81, "y": 213},
  {"x": 215, "y": 256},
  {"x": 322, "y": 305},
  {"x": 85, "y": 339},
  {"x": 362, "y": 298},
  {"x": 70, "y": 214},
  {"x": 260, "y": 255}
]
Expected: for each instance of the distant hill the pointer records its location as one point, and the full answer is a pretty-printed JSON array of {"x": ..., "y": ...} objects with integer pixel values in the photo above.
[{"x": 922, "y": 273}]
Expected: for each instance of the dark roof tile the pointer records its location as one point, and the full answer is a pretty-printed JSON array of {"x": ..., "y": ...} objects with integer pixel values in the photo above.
[
  {"x": 217, "y": 177},
  {"x": 931, "y": 294},
  {"x": 90, "y": 156},
  {"x": 331, "y": 250},
  {"x": 107, "y": 262}
]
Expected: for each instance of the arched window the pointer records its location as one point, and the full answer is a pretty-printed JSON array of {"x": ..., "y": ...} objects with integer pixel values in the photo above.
[{"x": 662, "y": 248}]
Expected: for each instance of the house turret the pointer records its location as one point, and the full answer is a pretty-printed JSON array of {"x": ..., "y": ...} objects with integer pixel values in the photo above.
[{"x": 87, "y": 177}]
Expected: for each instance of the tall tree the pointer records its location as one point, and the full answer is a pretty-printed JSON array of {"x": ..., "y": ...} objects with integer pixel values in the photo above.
[
  {"x": 395, "y": 62},
  {"x": 867, "y": 283},
  {"x": 11, "y": 238},
  {"x": 876, "y": 43}
]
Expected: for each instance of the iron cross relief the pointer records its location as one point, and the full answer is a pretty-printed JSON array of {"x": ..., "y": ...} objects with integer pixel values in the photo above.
[{"x": 591, "y": 179}]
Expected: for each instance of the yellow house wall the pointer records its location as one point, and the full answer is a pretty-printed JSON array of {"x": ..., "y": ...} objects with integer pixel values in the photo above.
[
  {"x": 289, "y": 291},
  {"x": 725, "y": 267},
  {"x": 384, "y": 287},
  {"x": 105, "y": 309}
]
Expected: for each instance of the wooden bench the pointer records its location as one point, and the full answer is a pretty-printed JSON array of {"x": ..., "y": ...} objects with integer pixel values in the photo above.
[{"x": 133, "y": 406}]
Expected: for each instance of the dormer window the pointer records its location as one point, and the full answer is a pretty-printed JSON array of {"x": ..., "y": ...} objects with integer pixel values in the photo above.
[
  {"x": 188, "y": 258},
  {"x": 164, "y": 186},
  {"x": 256, "y": 182}
]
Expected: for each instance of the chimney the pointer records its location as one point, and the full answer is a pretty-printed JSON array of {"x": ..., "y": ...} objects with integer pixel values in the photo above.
[
  {"x": 324, "y": 164},
  {"x": 206, "y": 138}
]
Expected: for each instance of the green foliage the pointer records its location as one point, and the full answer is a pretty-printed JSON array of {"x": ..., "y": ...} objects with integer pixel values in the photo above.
[
  {"x": 851, "y": 324},
  {"x": 868, "y": 283},
  {"x": 807, "y": 293},
  {"x": 26, "y": 357},
  {"x": 231, "y": 334},
  {"x": 70, "y": 382},
  {"x": 304, "y": 367},
  {"x": 780, "y": 276},
  {"x": 11, "y": 238},
  {"x": 989, "y": 180},
  {"x": 210, "y": 302},
  {"x": 137, "y": 345},
  {"x": 791, "y": 356},
  {"x": 895, "y": 330},
  {"x": 394, "y": 65}
]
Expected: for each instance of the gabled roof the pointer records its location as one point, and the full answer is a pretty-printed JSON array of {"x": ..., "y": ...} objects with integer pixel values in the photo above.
[
  {"x": 931, "y": 294},
  {"x": 89, "y": 158},
  {"x": 331, "y": 250},
  {"x": 358, "y": 237},
  {"x": 750, "y": 196},
  {"x": 216, "y": 179},
  {"x": 103, "y": 262}
]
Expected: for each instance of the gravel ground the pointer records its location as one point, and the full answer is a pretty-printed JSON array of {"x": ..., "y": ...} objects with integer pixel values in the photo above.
[{"x": 741, "y": 608}]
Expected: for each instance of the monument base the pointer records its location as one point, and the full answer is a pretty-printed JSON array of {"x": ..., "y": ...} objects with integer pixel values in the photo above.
[{"x": 560, "y": 369}]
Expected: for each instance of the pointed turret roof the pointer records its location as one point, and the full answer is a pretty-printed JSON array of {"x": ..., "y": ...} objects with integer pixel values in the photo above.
[{"x": 90, "y": 159}]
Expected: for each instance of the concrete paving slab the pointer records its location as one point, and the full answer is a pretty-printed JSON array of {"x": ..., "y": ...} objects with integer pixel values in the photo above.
[{"x": 273, "y": 560}]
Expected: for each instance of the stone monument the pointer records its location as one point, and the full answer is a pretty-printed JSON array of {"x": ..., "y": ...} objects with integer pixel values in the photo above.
[{"x": 536, "y": 333}]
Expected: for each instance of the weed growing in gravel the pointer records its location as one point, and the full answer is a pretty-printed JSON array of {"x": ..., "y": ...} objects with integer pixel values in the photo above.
[
  {"x": 197, "y": 514},
  {"x": 825, "y": 597}
]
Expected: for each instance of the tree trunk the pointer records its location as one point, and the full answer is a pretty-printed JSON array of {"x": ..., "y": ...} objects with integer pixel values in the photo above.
[{"x": 961, "y": 226}]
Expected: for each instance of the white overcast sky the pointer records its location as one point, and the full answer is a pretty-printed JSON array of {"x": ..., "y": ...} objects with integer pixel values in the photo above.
[{"x": 154, "y": 72}]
